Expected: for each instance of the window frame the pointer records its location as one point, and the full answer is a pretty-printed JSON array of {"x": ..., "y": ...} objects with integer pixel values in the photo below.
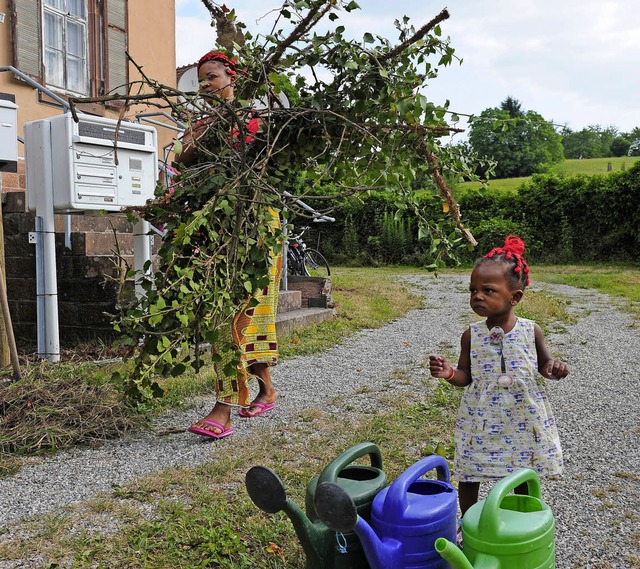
[
  {"x": 106, "y": 44},
  {"x": 86, "y": 47}
]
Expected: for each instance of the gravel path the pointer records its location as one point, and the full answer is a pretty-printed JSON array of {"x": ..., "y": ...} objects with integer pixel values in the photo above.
[{"x": 596, "y": 503}]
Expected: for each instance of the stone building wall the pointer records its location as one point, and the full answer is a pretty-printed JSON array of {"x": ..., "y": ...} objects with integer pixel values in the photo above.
[{"x": 87, "y": 274}]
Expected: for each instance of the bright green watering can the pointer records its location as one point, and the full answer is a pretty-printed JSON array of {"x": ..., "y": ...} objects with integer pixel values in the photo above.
[
  {"x": 320, "y": 544},
  {"x": 506, "y": 531}
]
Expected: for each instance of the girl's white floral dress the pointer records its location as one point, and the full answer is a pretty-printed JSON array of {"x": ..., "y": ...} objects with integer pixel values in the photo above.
[{"x": 503, "y": 428}]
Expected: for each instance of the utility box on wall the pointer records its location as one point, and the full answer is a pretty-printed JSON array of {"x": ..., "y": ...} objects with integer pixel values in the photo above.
[
  {"x": 97, "y": 163},
  {"x": 8, "y": 135}
]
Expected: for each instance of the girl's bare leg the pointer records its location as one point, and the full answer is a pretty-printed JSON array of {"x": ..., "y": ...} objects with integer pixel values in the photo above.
[
  {"x": 467, "y": 495},
  {"x": 522, "y": 489}
]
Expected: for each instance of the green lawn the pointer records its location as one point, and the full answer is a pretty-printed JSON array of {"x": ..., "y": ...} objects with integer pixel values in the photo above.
[
  {"x": 590, "y": 166},
  {"x": 595, "y": 165}
]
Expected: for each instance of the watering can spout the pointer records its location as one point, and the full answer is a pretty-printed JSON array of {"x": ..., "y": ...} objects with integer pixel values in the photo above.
[
  {"x": 337, "y": 510},
  {"x": 452, "y": 554},
  {"x": 267, "y": 492},
  {"x": 313, "y": 538},
  {"x": 381, "y": 554},
  {"x": 457, "y": 559}
]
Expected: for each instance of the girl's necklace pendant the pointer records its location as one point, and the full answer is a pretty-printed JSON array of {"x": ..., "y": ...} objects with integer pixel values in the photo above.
[{"x": 496, "y": 338}]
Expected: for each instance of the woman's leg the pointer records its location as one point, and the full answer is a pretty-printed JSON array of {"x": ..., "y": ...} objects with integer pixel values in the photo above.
[
  {"x": 267, "y": 393},
  {"x": 467, "y": 495},
  {"x": 522, "y": 489},
  {"x": 221, "y": 414}
]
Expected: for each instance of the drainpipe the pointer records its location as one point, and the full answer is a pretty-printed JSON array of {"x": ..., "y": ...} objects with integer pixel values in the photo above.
[
  {"x": 46, "y": 277},
  {"x": 141, "y": 250}
]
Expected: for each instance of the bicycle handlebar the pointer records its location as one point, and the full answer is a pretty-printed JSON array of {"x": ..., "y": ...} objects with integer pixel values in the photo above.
[{"x": 303, "y": 230}]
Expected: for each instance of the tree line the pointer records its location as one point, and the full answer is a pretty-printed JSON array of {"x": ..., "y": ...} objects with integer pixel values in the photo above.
[{"x": 520, "y": 142}]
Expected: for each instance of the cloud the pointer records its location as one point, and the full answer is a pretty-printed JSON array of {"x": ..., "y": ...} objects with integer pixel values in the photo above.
[{"x": 573, "y": 61}]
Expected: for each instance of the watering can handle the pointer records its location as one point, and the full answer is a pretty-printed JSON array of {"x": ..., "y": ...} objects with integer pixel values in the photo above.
[
  {"x": 396, "y": 500},
  {"x": 489, "y": 519},
  {"x": 331, "y": 472}
]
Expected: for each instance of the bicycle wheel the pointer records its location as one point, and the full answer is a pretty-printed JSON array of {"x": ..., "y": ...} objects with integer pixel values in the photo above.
[
  {"x": 315, "y": 264},
  {"x": 294, "y": 264}
]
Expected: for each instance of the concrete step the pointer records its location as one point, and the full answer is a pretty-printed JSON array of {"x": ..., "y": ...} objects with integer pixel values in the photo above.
[
  {"x": 289, "y": 300},
  {"x": 296, "y": 319}
]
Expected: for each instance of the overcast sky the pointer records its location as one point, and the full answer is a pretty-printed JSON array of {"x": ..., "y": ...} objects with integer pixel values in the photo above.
[{"x": 576, "y": 62}]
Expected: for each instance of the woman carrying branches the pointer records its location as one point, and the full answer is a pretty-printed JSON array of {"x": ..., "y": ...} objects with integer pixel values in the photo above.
[{"x": 253, "y": 330}]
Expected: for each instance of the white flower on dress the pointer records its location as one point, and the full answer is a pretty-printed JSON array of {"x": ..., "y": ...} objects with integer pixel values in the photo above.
[{"x": 496, "y": 335}]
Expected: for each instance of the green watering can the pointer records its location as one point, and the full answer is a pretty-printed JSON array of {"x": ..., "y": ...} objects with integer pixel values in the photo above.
[
  {"x": 505, "y": 531},
  {"x": 361, "y": 482},
  {"x": 324, "y": 548}
]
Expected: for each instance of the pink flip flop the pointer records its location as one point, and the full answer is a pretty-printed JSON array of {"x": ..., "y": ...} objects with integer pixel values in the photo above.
[
  {"x": 206, "y": 433},
  {"x": 262, "y": 408}
]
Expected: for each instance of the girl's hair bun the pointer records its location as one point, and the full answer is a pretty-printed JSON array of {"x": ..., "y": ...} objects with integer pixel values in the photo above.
[
  {"x": 511, "y": 253},
  {"x": 513, "y": 244}
]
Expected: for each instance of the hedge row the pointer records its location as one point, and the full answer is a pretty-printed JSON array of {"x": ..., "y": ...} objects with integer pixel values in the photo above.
[{"x": 563, "y": 219}]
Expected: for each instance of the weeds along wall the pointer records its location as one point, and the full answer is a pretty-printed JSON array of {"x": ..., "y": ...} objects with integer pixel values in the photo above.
[{"x": 563, "y": 219}]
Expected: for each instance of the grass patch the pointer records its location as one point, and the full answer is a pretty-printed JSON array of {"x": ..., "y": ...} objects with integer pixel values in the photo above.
[
  {"x": 202, "y": 517},
  {"x": 593, "y": 166},
  {"x": 589, "y": 167},
  {"x": 505, "y": 185},
  {"x": 365, "y": 298},
  {"x": 620, "y": 281},
  {"x": 547, "y": 310}
]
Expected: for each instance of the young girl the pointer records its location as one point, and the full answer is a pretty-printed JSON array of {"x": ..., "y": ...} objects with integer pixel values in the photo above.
[{"x": 505, "y": 421}]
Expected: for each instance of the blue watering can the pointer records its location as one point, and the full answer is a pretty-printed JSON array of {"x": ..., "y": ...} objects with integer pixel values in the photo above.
[{"x": 406, "y": 519}]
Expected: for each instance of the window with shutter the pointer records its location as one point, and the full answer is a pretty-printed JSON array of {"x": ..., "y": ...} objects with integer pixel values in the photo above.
[
  {"x": 65, "y": 40},
  {"x": 26, "y": 37},
  {"x": 80, "y": 45}
]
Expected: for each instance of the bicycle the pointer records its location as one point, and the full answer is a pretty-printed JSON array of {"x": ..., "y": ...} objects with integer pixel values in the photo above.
[{"x": 304, "y": 261}]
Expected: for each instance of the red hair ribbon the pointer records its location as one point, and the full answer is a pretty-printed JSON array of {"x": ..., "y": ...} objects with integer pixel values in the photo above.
[
  {"x": 513, "y": 247},
  {"x": 230, "y": 63}
]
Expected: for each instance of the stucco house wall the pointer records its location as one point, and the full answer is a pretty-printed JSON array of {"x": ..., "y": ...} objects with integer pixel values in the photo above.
[{"x": 85, "y": 293}]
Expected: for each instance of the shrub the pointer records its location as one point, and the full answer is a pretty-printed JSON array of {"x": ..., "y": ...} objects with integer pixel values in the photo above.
[{"x": 562, "y": 218}]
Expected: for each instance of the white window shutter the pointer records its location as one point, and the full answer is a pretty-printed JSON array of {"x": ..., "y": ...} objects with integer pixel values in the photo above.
[
  {"x": 118, "y": 75},
  {"x": 26, "y": 38}
]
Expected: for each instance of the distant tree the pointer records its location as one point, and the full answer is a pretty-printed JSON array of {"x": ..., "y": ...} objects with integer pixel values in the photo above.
[
  {"x": 634, "y": 139},
  {"x": 581, "y": 144},
  {"x": 620, "y": 146},
  {"x": 607, "y": 136},
  {"x": 591, "y": 142},
  {"x": 519, "y": 142},
  {"x": 513, "y": 107}
]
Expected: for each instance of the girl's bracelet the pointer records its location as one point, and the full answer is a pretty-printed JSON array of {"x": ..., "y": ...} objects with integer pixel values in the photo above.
[{"x": 453, "y": 373}]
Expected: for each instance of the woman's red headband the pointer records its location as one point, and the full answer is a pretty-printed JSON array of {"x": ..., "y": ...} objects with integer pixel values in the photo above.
[{"x": 229, "y": 62}]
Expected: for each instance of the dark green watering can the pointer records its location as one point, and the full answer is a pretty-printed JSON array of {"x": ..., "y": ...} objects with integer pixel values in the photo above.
[
  {"x": 361, "y": 482},
  {"x": 324, "y": 548},
  {"x": 506, "y": 531}
]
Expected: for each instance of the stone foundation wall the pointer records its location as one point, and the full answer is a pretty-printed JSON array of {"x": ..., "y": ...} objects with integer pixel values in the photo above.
[
  {"x": 87, "y": 273},
  {"x": 316, "y": 291}
]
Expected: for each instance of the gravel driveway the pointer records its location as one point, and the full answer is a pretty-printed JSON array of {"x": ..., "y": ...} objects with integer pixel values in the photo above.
[{"x": 596, "y": 503}]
